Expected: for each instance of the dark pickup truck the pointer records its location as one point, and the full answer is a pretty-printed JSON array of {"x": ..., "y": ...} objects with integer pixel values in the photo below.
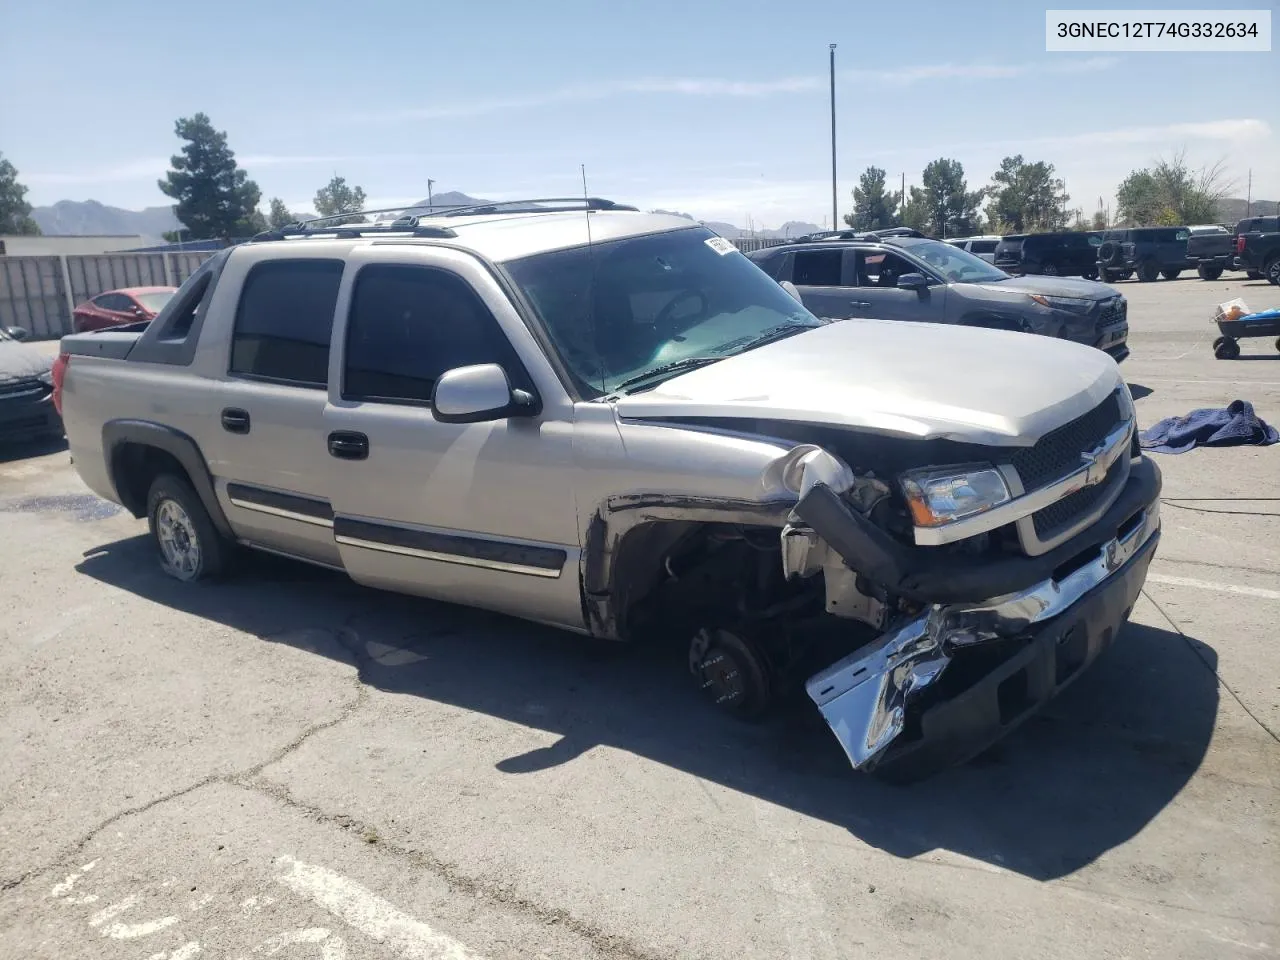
[
  {"x": 1258, "y": 248},
  {"x": 1211, "y": 249}
]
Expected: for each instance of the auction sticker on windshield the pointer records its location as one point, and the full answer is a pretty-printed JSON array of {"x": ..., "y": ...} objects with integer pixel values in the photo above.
[{"x": 720, "y": 245}]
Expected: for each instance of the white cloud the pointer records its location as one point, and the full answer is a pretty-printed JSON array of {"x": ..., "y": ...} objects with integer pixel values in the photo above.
[{"x": 723, "y": 87}]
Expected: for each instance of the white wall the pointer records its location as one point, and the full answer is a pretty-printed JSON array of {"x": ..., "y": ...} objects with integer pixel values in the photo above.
[{"x": 23, "y": 246}]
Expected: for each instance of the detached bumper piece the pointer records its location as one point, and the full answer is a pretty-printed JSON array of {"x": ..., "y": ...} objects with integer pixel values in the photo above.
[{"x": 1050, "y": 632}]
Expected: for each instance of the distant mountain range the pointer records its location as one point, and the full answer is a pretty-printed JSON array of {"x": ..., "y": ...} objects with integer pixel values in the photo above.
[
  {"x": 89, "y": 217},
  {"x": 1233, "y": 209}
]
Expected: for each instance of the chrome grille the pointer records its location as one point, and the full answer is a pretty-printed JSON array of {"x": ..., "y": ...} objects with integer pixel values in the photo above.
[
  {"x": 1057, "y": 517},
  {"x": 1057, "y": 453},
  {"x": 1113, "y": 311}
]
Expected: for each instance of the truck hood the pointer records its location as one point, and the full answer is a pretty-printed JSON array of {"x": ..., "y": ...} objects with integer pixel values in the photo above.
[
  {"x": 908, "y": 379},
  {"x": 1050, "y": 287}
]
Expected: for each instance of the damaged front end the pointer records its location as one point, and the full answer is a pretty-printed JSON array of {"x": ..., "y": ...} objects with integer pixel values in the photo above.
[{"x": 1022, "y": 626}]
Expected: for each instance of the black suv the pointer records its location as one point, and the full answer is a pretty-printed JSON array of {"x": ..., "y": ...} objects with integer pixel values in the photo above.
[
  {"x": 1050, "y": 254},
  {"x": 874, "y": 276},
  {"x": 1150, "y": 252}
]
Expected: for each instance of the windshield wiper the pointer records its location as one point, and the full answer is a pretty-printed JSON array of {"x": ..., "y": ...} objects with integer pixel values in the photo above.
[
  {"x": 688, "y": 363},
  {"x": 780, "y": 332}
]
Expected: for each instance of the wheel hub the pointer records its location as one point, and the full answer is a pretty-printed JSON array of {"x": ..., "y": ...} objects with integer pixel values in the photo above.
[
  {"x": 730, "y": 671},
  {"x": 178, "y": 540}
]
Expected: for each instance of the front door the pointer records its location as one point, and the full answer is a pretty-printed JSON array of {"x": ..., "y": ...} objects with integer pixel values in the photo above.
[
  {"x": 881, "y": 298},
  {"x": 479, "y": 513}
]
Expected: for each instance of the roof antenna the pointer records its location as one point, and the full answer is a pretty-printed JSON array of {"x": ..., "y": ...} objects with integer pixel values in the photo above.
[{"x": 591, "y": 287}]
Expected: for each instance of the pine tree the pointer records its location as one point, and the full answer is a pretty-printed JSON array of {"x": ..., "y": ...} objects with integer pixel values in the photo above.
[
  {"x": 215, "y": 198},
  {"x": 15, "y": 212}
]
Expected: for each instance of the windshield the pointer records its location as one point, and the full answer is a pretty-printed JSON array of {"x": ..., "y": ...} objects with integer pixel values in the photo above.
[
  {"x": 658, "y": 300},
  {"x": 154, "y": 302},
  {"x": 956, "y": 265}
]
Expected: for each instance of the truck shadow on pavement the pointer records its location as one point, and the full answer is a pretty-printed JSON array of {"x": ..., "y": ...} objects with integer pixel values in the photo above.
[{"x": 1084, "y": 776}]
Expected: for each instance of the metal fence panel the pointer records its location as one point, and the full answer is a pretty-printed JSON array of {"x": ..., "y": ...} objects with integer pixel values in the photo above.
[
  {"x": 91, "y": 275},
  {"x": 748, "y": 244},
  {"x": 32, "y": 296}
]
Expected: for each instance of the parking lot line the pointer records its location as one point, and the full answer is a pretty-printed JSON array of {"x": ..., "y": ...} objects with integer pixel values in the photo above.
[
  {"x": 369, "y": 913},
  {"x": 1243, "y": 591}
]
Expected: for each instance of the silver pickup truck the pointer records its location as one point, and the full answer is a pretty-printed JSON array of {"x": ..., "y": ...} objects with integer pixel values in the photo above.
[{"x": 615, "y": 423}]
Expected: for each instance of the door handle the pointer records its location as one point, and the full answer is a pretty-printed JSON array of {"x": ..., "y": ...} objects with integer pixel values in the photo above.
[
  {"x": 348, "y": 445},
  {"x": 235, "y": 420}
]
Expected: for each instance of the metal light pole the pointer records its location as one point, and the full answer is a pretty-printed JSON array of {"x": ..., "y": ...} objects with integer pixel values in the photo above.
[
  {"x": 835, "y": 217},
  {"x": 430, "y": 204}
]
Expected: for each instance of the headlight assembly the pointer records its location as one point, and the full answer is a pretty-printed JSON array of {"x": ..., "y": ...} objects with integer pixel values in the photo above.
[
  {"x": 937, "y": 496},
  {"x": 1070, "y": 304}
]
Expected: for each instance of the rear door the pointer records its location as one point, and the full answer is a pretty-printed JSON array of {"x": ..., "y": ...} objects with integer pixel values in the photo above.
[
  {"x": 475, "y": 513},
  {"x": 267, "y": 450},
  {"x": 823, "y": 279}
]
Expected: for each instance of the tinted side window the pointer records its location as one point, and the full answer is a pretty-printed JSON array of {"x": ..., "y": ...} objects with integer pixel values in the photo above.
[
  {"x": 112, "y": 301},
  {"x": 817, "y": 268},
  {"x": 284, "y": 321},
  {"x": 409, "y": 325},
  {"x": 770, "y": 263},
  {"x": 983, "y": 246}
]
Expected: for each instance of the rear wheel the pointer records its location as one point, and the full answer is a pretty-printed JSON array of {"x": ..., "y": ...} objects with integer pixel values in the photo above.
[
  {"x": 1090, "y": 274},
  {"x": 1107, "y": 276},
  {"x": 1148, "y": 270},
  {"x": 1253, "y": 274},
  {"x": 1224, "y": 348},
  {"x": 1208, "y": 273},
  {"x": 1273, "y": 271},
  {"x": 1049, "y": 270},
  {"x": 189, "y": 546},
  {"x": 1170, "y": 274},
  {"x": 1126, "y": 274}
]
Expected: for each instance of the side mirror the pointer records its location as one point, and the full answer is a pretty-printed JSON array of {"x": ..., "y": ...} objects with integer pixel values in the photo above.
[
  {"x": 790, "y": 287},
  {"x": 18, "y": 333},
  {"x": 478, "y": 393},
  {"x": 912, "y": 281}
]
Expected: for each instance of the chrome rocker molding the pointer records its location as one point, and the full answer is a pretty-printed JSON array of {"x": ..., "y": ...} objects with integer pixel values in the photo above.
[
  {"x": 276, "y": 504},
  {"x": 530, "y": 559},
  {"x": 1093, "y": 470},
  {"x": 864, "y": 697}
]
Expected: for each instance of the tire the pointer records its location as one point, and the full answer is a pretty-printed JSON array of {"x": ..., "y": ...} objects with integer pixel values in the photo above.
[
  {"x": 1107, "y": 276},
  {"x": 1278, "y": 344},
  {"x": 1224, "y": 348},
  {"x": 1108, "y": 252},
  {"x": 1273, "y": 271},
  {"x": 1170, "y": 274},
  {"x": 1148, "y": 270},
  {"x": 1253, "y": 274},
  {"x": 1126, "y": 274},
  {"x": 1090, "y": 274},
  {"x": 1209, "y": 273},
  {"x": 1049, "y": 270},
  {"x": 188, "y": 545}
]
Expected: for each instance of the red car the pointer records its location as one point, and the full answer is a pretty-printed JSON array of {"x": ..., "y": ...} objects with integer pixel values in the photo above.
[{"x": 128, "y": 305}]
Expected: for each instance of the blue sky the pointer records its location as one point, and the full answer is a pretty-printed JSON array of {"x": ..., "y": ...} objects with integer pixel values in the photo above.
[{"x": 715, "y": 108}]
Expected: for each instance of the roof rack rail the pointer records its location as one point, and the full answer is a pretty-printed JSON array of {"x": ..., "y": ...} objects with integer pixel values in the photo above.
[
  {"x": 356, "y": 223},
  {"x": 537, "y": 205}
]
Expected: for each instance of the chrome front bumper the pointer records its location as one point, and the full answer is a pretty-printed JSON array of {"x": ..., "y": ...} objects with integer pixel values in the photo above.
[{"x": 865, "y": 697}]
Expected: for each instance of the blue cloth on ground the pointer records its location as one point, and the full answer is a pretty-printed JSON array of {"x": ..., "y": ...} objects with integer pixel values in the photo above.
[{"x": 1235, "y": 426}]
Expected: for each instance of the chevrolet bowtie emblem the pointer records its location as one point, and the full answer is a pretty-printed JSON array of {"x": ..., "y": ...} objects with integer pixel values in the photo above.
[{"x": 1095, "y": 470}]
